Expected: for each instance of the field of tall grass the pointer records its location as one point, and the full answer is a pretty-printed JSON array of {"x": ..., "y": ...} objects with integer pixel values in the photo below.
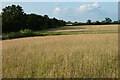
[
  {"x": 64, "y": 56},
  {"x": 86, "y": 28},
  {"x": 65, "y": 30}
]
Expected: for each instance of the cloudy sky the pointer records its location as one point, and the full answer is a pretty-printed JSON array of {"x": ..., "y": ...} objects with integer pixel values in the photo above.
[{"x": 73, "y": 11}]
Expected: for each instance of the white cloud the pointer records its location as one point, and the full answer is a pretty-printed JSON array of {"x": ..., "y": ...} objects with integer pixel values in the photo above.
[
  {"x": 60, "y": 12},
  {"x": 90, "y": 7},
  {"x": 56, "y": 11}
]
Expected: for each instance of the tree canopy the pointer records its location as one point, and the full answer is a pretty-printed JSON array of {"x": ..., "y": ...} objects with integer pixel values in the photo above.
[{"x": 14, "y": 19}]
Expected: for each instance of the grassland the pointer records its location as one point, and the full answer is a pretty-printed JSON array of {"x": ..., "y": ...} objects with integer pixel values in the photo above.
[
  {"x": 86, "y": 28},
  {"x": 64, "y": 56},
  {"x": 66, "y": 30}
]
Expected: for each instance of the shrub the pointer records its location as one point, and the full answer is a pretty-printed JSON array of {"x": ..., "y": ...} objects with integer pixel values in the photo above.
[{"x": 26, "y": 31}]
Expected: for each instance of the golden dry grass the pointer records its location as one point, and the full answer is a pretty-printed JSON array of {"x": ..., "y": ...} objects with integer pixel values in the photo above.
[
  {"x": 75, "y": 30},
  {"x": 84, "y": 55},
  {"x": 104, "y": 28}
]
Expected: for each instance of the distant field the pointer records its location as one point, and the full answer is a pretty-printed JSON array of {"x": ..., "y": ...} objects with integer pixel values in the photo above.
[
  {"x": 65, "y": 56},
  {"x": 86, "y": 28},
  {"x": 66, "y": 30}
]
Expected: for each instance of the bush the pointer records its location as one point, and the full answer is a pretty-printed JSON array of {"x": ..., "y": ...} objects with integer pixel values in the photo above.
[{"x": 26, "y": 31}]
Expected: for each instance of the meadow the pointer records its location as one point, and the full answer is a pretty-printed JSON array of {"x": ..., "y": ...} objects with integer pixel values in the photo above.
[
  {"x": 65, "y": 30},
  {"x": 80, "y": 55}
]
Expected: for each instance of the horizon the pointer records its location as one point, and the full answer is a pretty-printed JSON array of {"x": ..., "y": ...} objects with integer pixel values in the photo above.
[{"x": 71, "y": 11}]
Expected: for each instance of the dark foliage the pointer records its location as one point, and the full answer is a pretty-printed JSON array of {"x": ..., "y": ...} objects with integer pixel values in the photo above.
[
  {"x": 14, "y": 19},
  {"x": 104, "y": 22}
]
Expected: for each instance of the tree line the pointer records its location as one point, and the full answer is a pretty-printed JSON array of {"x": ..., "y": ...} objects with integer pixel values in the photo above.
[
  {"x": 89, "y": 22},
  {"x": 15, "y": 19}
]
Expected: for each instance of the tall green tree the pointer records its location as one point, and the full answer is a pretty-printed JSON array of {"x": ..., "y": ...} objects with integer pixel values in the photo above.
[
  {"x": 97, "y": 22},
  {"x": 12, "y": 18},
  {"x": 89, "y": 21},
  {"x": 108, "y": 20}
]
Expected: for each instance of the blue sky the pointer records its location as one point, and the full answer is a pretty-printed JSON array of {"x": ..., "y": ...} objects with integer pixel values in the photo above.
[{"x": 73, "y": 11}]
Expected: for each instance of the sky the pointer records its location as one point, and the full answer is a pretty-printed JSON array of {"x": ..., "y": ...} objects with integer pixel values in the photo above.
[
  {"x": 71, "y": 11},
  {"x": 59, "y": 0}
]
